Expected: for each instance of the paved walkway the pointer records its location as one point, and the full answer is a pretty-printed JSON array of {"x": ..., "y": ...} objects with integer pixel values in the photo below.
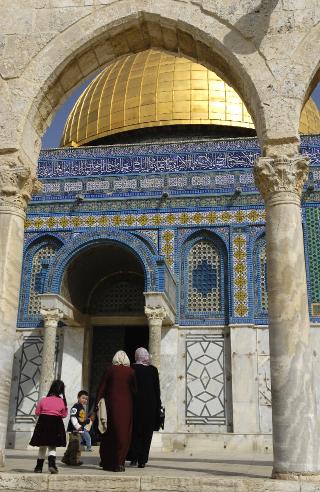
[
  {"x": 160, "y": 464},
  {"x": 165, "y": 472}
]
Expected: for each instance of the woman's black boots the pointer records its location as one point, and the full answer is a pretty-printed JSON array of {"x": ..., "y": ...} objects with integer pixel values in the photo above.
[
  {"x": 39, "y": 466},
  {"x": 52, "y": 464}
]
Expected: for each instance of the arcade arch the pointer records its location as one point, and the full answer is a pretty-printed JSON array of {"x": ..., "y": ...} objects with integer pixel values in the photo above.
[
  {"x": 34, "y": 89},
  {"x": 106, "y": 283}
]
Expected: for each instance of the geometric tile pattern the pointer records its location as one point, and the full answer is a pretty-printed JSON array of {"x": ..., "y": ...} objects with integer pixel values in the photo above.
[
  {"x": 204, "y": 282},
  {"x": 263, "y": 278},
  {"x": 240, "y": 296},
  {"x": 28, "y": 389},
  {"x": 313, "y": 241},
  {"x": 152, "y": 235},
  {"x": 29, "y": 377},
  {"x": 260, "y": 278},
  {"x": 167, "y": 246},
  {"x": 205, "y": 380},
  {"x": 40, "y": 263},
  {"x": 146, "y": 220},
  {"x": 118, "y": 294}
]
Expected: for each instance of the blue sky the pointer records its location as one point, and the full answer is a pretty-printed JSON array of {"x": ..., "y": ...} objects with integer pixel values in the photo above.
[{"x": 54, "y": 132}]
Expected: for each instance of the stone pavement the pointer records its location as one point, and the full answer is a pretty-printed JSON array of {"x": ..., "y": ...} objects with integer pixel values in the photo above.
[{"x": 174, "y": 472}]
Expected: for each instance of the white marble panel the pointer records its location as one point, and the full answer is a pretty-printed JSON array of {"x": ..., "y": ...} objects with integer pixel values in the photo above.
[
  {"x": 243, "y": 339},
  {"x": 71, "y": 369},
  {"x": 263, "y": 341},
  {"x": 168, "y": 376},
  {"x": 244, "y": 379}
]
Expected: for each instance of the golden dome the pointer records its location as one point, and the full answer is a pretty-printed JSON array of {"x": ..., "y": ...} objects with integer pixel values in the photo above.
[
  {"x": 310, "y": 118},
  {"x": 153, "y": 88}
]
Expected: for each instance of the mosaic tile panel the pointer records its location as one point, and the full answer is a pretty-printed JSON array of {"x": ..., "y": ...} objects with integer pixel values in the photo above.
[
  {"x": 151, "y": 234},
  {"x": 40, "y": 264},
  {"x": 313, "y": 242},
  {"x": 146, "y": 220},
  {"x": 205, "y": 380},
  {"x": 150, "y": 204},
  {"x": 204, "y": 279},
  {"x": 167, "y": 246},
  {"x": 260, "y": 278},
  {"x": 240, "y": 276}
]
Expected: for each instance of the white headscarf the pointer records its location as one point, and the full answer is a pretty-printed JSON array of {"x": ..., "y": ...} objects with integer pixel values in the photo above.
[
  {"x": 142, "y": 356},
  {"x": 120, "y": 358}
]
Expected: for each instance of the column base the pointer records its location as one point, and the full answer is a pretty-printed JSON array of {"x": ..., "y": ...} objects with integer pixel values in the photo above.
[
  {"x": 2, "y": 458},
  {"x": 301, "y": 476}
]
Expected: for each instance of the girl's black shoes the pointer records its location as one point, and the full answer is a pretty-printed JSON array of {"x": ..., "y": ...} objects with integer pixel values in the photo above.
[
  {"x": 39, "y": 466},
  {"x": 52, "y": 464}
]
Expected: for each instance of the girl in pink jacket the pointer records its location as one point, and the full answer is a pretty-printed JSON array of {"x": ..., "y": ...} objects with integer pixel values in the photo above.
[{"x": 49, "y": 431}]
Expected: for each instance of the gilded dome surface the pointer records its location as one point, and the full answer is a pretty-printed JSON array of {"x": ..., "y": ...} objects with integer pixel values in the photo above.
[{"x": 154, "y": 88}]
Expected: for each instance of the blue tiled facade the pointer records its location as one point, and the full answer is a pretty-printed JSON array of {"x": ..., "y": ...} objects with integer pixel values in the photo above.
[{"x": 159, "y": 201}]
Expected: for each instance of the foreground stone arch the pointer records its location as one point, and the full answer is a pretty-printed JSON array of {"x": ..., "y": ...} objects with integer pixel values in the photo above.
[
  {"x": 86, "y": 45},
  {"x": 268, "y": 51}
]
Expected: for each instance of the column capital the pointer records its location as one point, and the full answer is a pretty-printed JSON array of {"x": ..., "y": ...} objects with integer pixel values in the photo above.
[
  {"x": 155, "y": 312},
  {"x": 281, "y": 178},
  {"x": 51, "y": 317},
  {"x": 17, "y": 184}
]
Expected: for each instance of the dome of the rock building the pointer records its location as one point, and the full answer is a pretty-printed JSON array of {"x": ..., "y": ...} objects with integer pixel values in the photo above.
[
  {"x": 157, "y": 89},
  {"x": 310, "y": 119}
]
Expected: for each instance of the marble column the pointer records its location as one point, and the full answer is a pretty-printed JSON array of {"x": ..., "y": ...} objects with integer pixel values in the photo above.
[
  {"x": 16, "y": 186},
  {"x": 294, "y": 414},
  {"x": 155, "y": 317},
  {"x": 51, "y": 318}
]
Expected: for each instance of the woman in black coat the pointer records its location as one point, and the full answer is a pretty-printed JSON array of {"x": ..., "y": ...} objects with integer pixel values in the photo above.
[{"x": 146, "y": 408}]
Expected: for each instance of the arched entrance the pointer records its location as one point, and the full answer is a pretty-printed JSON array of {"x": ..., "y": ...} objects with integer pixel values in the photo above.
[{"x": 106, "y": 282}]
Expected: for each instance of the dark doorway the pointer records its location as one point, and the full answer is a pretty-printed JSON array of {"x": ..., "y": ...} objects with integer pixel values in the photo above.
[{"x": 105, "y": 343}]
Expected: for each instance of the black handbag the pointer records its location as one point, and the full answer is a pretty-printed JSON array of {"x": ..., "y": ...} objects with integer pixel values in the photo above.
[{"x": 162, "y": 416}]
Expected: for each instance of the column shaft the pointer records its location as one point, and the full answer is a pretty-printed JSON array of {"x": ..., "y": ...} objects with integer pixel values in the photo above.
[
  {"x": 51, "y": 319},
  {"x": 16, "y": 186},
  {"x": 294, "y": 415},
  {"x": 11, "y": 245},
  {"x": 155, "y": 341}
]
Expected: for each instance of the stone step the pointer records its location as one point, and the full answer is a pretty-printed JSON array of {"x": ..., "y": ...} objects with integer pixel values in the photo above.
[{"x": 11, "y": 482}]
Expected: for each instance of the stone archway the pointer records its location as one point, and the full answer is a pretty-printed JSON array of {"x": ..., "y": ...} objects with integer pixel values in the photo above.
[
  {"x": 34, "y": 85},
  {"x": 107, "y": 33}
]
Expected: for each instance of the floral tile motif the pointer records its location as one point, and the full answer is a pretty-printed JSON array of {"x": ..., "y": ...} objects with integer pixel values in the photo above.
[
  {"x": 167, "y": 246},
  {"x": 201, "y": 218},
  {"x": 240, "y": 279}
]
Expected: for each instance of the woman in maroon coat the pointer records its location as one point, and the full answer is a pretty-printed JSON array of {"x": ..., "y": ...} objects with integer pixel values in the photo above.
[{"x": 117, "y": 389}]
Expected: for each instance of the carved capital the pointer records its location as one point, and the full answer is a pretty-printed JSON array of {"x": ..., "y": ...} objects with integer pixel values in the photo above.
[
  {"x": 155, "y": 312},
  {"x": 51, "y": 317},
  {"x": 17, "y": 184},
  {"x": 281, "y": 174}
]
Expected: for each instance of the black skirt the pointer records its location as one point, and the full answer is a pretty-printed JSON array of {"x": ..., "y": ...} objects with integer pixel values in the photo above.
[{"x": 49, "y": 431}]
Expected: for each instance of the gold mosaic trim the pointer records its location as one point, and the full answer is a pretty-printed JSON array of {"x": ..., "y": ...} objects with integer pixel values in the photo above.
[
  {"x": 239, "y": 246},
  {"x": 167, "y": 246},
  {"x": 146, "y": 220}
]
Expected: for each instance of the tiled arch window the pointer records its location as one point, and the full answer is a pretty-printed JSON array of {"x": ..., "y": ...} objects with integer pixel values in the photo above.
[
  {"x": 260, "y": 278},
  {"x": 204, "y": 265},
  {"x": 36, "y": 264}
]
